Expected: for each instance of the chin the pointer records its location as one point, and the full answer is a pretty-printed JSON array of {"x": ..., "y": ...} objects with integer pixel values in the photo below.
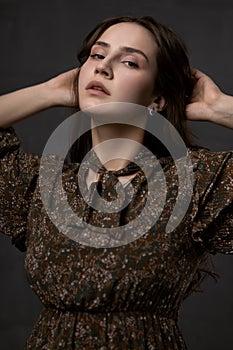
[{"x": 90, "y": 104}]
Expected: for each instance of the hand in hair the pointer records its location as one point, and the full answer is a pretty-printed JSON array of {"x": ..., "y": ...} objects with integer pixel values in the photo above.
[
  {"x": 209, "y": 103},
  {"x": 64, "y": 87},
  {"x": 58, "y": 91}
]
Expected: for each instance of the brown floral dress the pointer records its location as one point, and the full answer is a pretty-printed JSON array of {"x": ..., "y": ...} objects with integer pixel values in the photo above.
[{"x": 123, "y": 297}]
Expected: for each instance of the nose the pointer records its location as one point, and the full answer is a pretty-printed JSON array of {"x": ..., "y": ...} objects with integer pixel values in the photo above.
[{"x": 105, "y": 69}]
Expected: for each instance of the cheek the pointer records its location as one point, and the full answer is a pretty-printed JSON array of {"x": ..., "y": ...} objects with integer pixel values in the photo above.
[
  {"x": 139, "y": 88},
  {"x": 82, "y": 77},
  {"x": 146, "y": 89},
  {"x": 85, "y": 72},
  {"x": 82, "y": 82}
]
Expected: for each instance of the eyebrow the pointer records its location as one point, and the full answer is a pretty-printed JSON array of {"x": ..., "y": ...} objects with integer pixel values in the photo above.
[{"x": 123, "y": 48}]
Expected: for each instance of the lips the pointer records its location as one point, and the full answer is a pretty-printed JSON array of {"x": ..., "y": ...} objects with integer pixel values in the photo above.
[{"x": 97, "y": 86}]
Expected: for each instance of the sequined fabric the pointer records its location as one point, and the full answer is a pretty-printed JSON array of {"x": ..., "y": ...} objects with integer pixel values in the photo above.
[{"x": 124, "y": 297}]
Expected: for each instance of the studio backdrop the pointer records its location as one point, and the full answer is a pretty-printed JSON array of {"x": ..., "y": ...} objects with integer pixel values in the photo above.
[{"x": 40, "y": 39}]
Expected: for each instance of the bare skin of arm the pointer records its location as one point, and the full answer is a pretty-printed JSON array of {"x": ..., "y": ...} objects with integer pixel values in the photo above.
[
  {"x": 23, "y": 103},
  {"x": 209, "y": 103}
]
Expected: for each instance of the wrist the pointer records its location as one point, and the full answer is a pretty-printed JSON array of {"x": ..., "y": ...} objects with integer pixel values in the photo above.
[
  {"x": 223, "y": 110},
  {"x": 60, "y": 90},
  {"x": 50, "y": 94}
]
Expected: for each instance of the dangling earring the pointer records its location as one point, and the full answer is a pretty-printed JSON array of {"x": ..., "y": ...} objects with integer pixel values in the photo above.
[{"x": 151, "y": 111}]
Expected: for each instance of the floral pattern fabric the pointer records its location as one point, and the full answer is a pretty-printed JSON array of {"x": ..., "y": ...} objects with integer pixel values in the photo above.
[{"x": 124, "y": 297}]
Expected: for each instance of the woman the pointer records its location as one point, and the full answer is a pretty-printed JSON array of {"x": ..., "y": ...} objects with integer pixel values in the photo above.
[{"x": 127, "y": 296}]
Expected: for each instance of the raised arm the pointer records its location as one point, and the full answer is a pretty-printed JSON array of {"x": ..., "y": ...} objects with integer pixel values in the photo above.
[
  {"x": 209, "y": 103},
  {"x": 23, "y": 103}
]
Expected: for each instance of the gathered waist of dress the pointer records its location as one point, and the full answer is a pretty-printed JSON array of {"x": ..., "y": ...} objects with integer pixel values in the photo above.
[
  {"x": 136, "y": 313},
  {"x": 59, "y": 328}
]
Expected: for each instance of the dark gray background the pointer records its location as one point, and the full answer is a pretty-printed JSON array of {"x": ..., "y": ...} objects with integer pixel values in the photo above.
[{"x": 40, "y": 40}]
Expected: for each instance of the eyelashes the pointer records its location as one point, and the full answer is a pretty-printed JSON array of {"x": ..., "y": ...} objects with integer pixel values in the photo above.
[
  {"x": 131, "y": 64},
  {"x": 97, "y": 56},
  {"x": 128, "y": 63}
]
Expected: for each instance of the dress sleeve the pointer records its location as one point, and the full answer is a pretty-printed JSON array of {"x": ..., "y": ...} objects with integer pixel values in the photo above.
[
  {"x": 18, "y": 173},
  {"x": 213, "y": 223}
]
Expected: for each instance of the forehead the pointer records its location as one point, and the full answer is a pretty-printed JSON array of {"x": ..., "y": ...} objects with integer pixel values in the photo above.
[{"x": 131, "y": 35}]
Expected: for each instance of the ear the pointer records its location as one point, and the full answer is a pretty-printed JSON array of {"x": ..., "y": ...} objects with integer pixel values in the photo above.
[{"x": 158, "y": 104}]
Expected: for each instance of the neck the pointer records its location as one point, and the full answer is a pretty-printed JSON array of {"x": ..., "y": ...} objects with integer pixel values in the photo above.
[{"x": 116, "y": 154}]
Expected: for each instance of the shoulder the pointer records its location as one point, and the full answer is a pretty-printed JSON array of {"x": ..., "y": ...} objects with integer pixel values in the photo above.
[
  {"x": 212, "y": 169},
  {"x": 202, "y": 155},
  {"x": 209, "y": 162}
]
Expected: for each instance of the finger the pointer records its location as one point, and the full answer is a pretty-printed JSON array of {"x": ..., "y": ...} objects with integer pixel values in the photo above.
[{"x": 197, "y": 73}]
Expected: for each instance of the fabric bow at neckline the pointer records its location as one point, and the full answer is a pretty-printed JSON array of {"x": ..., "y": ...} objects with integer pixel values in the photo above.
[
  {"x": 129, "y": 169},
  {"x": 96, "y": 165}
]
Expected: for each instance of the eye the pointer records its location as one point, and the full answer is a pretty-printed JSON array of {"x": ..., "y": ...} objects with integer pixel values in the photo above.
[
  {"x": 131, "y": 64},
  {"x": 97, "y": 56}
]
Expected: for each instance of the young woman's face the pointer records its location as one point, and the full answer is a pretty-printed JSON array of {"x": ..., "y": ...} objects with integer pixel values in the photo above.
[{"x": 121, "y": 67}]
